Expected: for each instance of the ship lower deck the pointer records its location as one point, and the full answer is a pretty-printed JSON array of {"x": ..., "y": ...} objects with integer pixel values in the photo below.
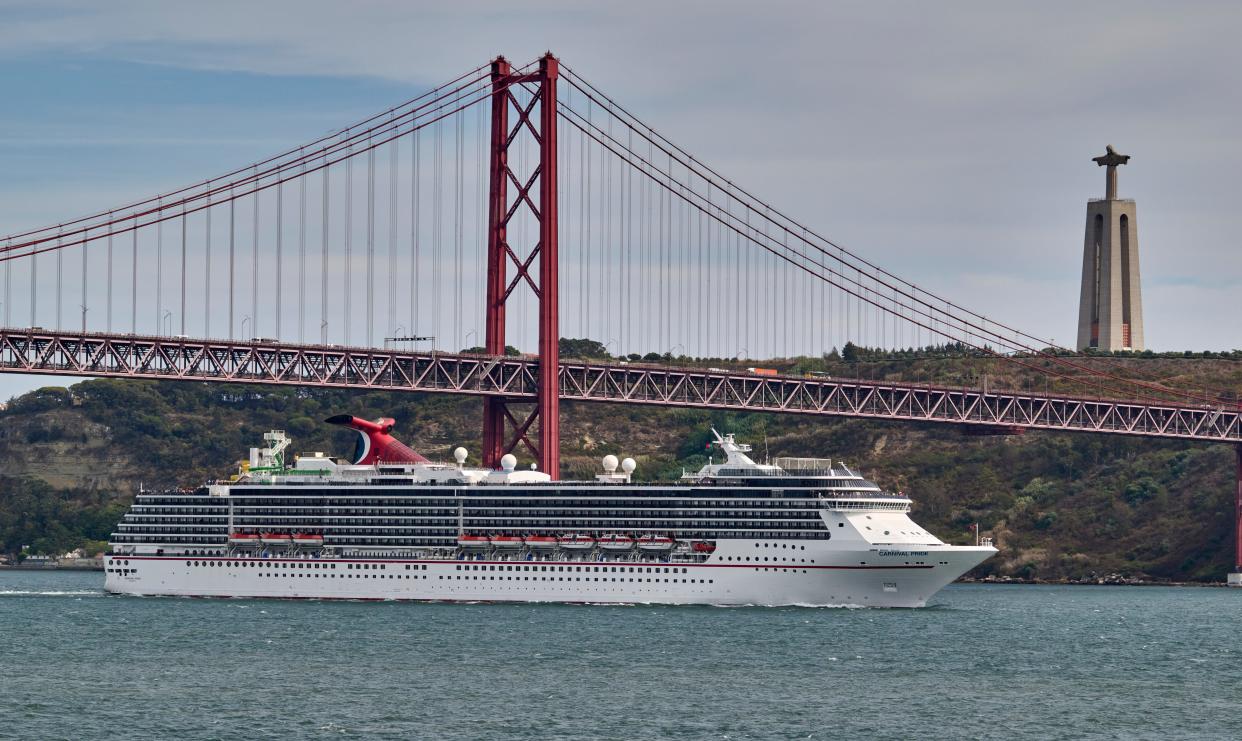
[{"x": 871, "y": 578}]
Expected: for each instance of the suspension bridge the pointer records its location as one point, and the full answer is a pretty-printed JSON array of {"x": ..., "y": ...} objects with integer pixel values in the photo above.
[{"x": 508, "y": 208}]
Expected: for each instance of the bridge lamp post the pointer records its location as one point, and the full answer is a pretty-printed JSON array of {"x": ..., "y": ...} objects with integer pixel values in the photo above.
[
  {"x": 323, "y": 332},
  {"x": 84, "y": 310},
  {"x": 245, "y": 319},
  {"x": 471, "y": 332},
  {"x": 608, "y": 345},
  {"x": 397, "y": 334},
  {"x": 167, "y": 321}
]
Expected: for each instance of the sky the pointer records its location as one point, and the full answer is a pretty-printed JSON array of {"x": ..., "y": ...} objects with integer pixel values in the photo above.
[{"x": 948, "y": 142}]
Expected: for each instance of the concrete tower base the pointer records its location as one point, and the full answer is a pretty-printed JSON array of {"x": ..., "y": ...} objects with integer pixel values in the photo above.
[{"x": 1234, "y": 580}]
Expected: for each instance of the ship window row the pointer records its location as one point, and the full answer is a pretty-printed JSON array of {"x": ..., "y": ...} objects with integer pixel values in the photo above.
[
  {"x": 153, "y": 508},
  {"x": 167, "y": 539},
  {"x": 410, "y": 502},
  {"x": 543, "y": 508},
  {"x": 589, "y": 497},
  {"x": 445, "y": 538},
  {"x": 475, "y": 513},
  {"x": 622, "y": 579},
  {"x": 516, "y": 520},
  {"x": 201, "y": 520},
  {"x": 336, "y": 531},
  {"x": 128, "y": 527},
  {"x": 540, "y": 526}
]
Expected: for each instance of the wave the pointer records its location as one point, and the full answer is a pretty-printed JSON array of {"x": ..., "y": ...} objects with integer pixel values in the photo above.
[{"x": 50, "y": 592}]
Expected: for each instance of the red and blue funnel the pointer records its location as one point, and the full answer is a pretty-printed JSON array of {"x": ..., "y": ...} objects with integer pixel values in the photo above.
[{"x": 375, "y": 445}]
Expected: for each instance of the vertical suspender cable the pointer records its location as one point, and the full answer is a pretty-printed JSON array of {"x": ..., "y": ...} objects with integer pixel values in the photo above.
[
  {"x": 584, "y": 246},
  {"x": 370, "y": 338},
  {"x": 232, "y": 260},
  {"x": 8, "y": 288},
  {"x": 85, "y": 244},
  {"x": 159, "y": 271},
  {"x": 415, "y": 291},
  {"x": 349, "y": 230},
  {"x": 254, "y": 272},
  {"x": 133, "y": 282},
  {"x": 606, "y": 245},
  {"x": 707, "y": 266},
  {"x": 34, "y": 273},
  {"x": 627, "y": 264},
  {"x": 183, "y": 250},
  {"x": 393, "y": 161},
  {"x": 480, "y": 216},
  {"x": 458, "y": 217},
  {"x": 302, "y": 256},
  {"x": 207, "y": 272},
  {"x": 437, "y": 232},
  {"x": 59, "y": 270},
  {"x": 280, "y": 244},
  {"x": 323, "y": 267}
]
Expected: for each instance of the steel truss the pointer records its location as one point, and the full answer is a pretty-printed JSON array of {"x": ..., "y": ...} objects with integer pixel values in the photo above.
[{"x": 516, "y": 380}]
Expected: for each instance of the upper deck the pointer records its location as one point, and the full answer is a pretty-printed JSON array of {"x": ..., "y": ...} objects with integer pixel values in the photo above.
[{"x": 736, "y": 476}]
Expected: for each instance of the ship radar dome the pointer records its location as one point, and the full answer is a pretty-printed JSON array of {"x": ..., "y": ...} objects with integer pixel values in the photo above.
[
  {"x": 508, "y": 461},
  {"x": 460, "y": 455},
  {"x": 628, "y": 465},
  {"x": 610, "y": 463}
]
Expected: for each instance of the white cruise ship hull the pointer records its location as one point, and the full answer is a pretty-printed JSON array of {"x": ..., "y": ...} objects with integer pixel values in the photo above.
[{"x": 825, "y": 576}]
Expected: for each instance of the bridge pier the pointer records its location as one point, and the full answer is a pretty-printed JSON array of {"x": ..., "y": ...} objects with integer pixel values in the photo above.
[{"x": 1235, "y": 578}]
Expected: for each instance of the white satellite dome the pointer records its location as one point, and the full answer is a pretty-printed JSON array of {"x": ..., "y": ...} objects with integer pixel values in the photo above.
[
  {"x": 508, "y": 461},
  {"x": 460, "y": 455},
  {"x": 628, "y": 465},
  {"x": 610, "y": 463}
]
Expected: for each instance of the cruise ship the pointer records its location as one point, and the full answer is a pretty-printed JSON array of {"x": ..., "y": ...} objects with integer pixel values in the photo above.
[{"x": 389, "y": 524}]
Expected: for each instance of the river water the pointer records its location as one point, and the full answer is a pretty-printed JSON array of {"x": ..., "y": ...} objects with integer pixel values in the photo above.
[{"x": 1015, "y": 662}]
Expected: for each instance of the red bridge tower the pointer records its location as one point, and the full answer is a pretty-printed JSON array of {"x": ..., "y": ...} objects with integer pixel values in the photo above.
[{"x": 502, "y": 430}]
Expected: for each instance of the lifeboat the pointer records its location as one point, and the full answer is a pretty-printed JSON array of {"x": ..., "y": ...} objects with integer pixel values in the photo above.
[
  {"x": 541, "y": 541},
  {"x": 473, "y": 541},
  {"x": 655, "y": 543},
  {"x": 577, "y": 542},
  {"x": 307, "y": 539},
  {"x": 507, "y": 541},
  {"x": 243, "y": 538},
  {"x": 275, "y": 538},
  {"x": 614, "y": 542},
  {"x": 702, "y": 546}
]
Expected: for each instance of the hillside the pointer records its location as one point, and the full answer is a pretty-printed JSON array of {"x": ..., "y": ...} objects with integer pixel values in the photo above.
[{"x": 1060, "y": 505}]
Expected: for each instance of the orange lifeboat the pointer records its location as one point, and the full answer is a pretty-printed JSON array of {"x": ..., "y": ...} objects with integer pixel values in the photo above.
[
  {"x": 541, "y": 541},
  {"x": 243, "y": 538},
  {"x": 307, "y": 539},
  {"x": 473, "y": 541},
  {"x": 275, "y": 538},
  {"x": 507, "y": 541}
]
